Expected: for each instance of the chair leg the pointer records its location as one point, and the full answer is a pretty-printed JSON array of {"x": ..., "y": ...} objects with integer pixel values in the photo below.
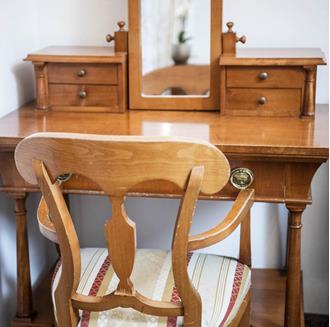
[{"x": 246, "y": 319}]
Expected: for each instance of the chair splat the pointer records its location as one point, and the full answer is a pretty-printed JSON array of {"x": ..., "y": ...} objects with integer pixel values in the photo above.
[{"x": 120, "y": 234}]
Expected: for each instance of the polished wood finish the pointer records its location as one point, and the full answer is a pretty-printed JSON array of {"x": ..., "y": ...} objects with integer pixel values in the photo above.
[
  {"x": 275, "y": 57},
  {"x": 264, "y": 82},
  {"x": 283, "y": 138},
  {"x": 310, "y": 92},
  {"x": 78, "y": 54},
  {"x": 291, "y": 149},
  {"x": 68, "y": 95},
  {"x": 80, "y": 79},
  {"x": 247, "y": 102},
  {"x": 138, "y": 101},
  {"x": 59, "y": 73},
  {"x": 121, "y": 163},
  {"x": 278, "y": 77},
  {"x": 24, "y": 290}
]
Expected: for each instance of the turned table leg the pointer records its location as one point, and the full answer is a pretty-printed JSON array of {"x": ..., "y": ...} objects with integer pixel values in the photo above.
[
  {"x": 293, "y": 285},
  {"x": 24, "y": 291}
]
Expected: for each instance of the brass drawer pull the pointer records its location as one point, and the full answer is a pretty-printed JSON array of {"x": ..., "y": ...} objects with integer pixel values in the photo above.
[
  {"x": 262, "y": 101},
  {"x": 82, "y": 94},
  {"x": 82, "y": 73},
  {"x": 241, "y": 178},
  {"x": 263, "y": 76}
]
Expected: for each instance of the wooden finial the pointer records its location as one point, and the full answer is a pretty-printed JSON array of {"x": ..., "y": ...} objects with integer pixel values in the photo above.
[
  {"x": 230, "y": 26},
  {"x": 121, "y": 25}
]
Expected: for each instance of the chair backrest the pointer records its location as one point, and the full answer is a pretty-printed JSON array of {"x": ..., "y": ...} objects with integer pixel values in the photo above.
[{"x": 117, "y": 164}]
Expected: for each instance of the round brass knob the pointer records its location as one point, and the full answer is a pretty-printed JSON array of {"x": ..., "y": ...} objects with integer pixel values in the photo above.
[
  {"x": 263, "y": 76},
  {"x": 241, "y": 178},
  {"x": 110, "y": 38},
  {"x": 262, "y": 101},
  {"x": 82, "y": 73},
  {"x": 82, "y": 94}
]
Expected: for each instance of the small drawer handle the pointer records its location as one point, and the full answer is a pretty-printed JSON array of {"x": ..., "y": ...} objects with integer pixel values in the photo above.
[
  {"x": 262, "y": 101},
  {"x": 263, "y": 76},
  {"x": 82, "y": 73},
  {"x": 82, "y": 94},
  {"x": 241, "y": 178}
]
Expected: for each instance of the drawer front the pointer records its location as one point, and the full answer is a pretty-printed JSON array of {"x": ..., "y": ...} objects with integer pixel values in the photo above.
[
  {"x": 264, "y": 102},
  {"x": 82, "y": 73},
  {"x": 83, "y": 95},
  {"x": 265, "y": 77}
]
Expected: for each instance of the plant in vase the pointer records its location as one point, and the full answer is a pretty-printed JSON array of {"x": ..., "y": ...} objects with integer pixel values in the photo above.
[{"x": 181, "y": 50}]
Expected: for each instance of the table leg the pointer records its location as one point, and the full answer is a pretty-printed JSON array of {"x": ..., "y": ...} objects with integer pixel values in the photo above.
[
  {"x": 293, "y": 285},
  {"x": 24, "y": 308}
]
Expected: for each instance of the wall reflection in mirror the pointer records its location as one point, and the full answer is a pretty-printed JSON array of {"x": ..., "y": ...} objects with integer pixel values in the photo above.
[{"x": 175, "y": 36}]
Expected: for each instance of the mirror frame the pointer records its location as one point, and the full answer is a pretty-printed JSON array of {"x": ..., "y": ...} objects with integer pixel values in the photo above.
[{"x": 138, "y": 101}]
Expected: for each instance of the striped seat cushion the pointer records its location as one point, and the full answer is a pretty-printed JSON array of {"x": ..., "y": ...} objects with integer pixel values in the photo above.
[{"x": 222, "y": 283}]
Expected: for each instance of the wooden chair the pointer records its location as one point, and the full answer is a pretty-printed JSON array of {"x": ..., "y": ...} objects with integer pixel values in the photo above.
[{"x": 163, "y": 288}]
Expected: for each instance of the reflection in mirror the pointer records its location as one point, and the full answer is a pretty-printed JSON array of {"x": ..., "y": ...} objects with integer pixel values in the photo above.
[{"x": 176, "y": 47}]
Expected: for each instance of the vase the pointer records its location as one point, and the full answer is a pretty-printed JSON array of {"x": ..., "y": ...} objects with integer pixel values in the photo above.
[{"x": 181, "y": 53}]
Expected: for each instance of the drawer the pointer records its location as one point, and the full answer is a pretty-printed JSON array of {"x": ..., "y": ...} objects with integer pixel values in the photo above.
[
  {"x": 94, "y": 95},
  {"x": 265, "y": 77},
  {"x": 82, "y": 73},
  {"x": 264, "y": 102}
]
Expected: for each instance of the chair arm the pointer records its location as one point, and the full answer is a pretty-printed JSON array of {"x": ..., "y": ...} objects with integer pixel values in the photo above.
[
  {"x": 46, "y": 226},
  {"x": 234, "y": 218}
]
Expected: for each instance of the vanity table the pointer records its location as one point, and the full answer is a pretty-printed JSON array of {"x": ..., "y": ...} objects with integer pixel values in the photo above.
[
  {"x": 257, "y": 106},
  {"x": 283, "y": 153}
]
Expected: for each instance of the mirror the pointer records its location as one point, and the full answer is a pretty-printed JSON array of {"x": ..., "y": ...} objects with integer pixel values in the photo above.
[
  {"x": 176, "y": 43},
  {"x": 174, "y": 52}
]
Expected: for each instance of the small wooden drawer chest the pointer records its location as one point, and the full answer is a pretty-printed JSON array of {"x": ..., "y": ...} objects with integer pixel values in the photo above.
[
  {"x": 270, "y": 83},
  {"x": 89, "y": 79}
]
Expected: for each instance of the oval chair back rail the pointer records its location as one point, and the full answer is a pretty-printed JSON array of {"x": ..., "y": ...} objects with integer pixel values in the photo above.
[{"x": 117, "y": 283}]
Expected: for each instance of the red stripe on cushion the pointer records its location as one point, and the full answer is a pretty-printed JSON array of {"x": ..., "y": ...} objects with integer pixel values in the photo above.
[
  {"x": 95, "y": 288},
  {"x": 236, "y": 287},
  {"x": 175, "y": 298}
]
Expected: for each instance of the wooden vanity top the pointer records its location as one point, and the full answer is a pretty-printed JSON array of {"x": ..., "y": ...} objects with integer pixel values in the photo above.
[
  {"x": 299, "y": 139},
  {"x": 78, "y": 54},
  {"x": 275, "y": 57}
]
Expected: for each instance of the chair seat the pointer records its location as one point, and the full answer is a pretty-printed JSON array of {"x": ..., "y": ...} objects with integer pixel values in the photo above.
[{"x": 222, "y": 283}]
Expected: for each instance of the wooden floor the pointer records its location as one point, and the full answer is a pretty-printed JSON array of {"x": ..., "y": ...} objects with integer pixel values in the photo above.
[{"x": 267, "y": 301}]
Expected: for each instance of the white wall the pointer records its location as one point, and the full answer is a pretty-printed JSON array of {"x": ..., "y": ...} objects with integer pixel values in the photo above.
[
  {"x": 272, "y": 23},
  {"x": 18, "y": 36}
]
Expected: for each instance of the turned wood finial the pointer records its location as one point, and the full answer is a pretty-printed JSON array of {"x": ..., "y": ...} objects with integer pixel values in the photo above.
[
  {"x": 229, "y": 40},
  {"x": 121, "y": 24},
  {"x": 230, "y": 26}
]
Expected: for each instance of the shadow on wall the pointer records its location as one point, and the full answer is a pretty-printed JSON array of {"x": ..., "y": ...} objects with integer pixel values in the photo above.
[
  {"x": 25, "y": 84},
  {"x": 42, "y": 253},
  {"x": 155, "y": 221},
  {"x": 7, "y": 260}
]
